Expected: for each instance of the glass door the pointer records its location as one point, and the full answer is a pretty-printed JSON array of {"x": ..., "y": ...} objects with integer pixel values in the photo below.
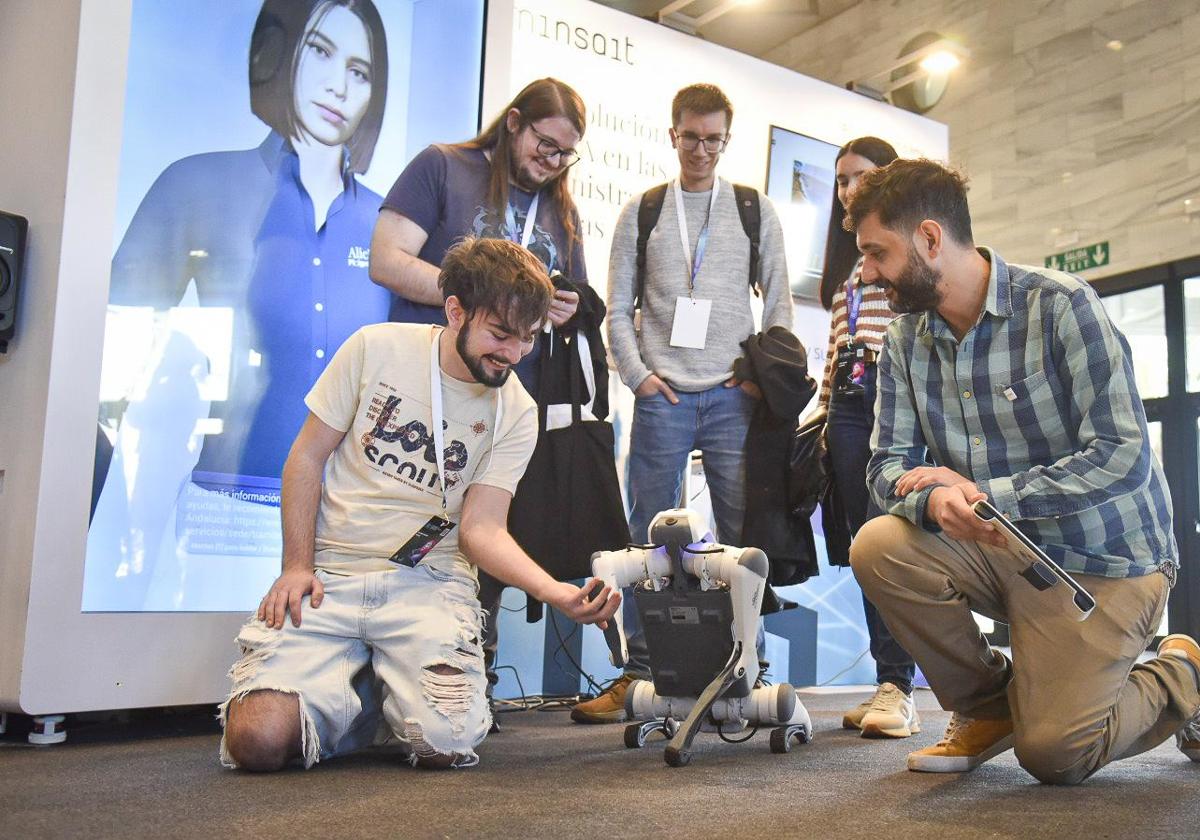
[{"x": 1158, "y": 310}]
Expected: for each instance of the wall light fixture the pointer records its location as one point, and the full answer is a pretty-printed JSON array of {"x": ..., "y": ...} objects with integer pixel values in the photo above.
[{"x": 918, "y": 78}]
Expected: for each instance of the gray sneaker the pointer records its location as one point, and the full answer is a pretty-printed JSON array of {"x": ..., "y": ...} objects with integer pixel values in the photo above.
[
  {"x": 891, "y": 714},
  {"x": 1188, "y": 739},
  {"x": 1185, "y": 647}
]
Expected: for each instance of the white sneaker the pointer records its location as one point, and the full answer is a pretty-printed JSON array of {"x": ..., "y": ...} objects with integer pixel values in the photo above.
[
  {"x": 853, "y": 718},
  {"x": 890, "y": 714}
]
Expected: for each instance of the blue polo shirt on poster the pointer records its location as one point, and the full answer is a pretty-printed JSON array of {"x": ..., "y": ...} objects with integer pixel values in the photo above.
[{"x": 241, "y": 227}]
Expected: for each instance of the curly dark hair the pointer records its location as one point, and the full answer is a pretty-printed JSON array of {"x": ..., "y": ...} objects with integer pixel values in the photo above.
[
  {"x": 907, "y": 192},
  {"x": 500, "y": 277}
]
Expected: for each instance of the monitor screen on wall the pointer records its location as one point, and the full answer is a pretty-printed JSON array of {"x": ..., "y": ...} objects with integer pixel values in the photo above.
[
  {"x": 258, "y": 139},
  {"x": 800, "y": 182}
]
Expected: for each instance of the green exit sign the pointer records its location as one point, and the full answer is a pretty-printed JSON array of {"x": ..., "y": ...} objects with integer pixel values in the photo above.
[{"x": 1079, "y": 259}]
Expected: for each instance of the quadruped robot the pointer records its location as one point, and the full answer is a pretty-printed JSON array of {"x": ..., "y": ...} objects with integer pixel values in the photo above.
[{"x": 699, "y": 603}]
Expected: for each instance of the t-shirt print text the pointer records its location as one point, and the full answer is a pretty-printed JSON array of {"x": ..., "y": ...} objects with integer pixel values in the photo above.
[
  {"x": 359, "y": 257},
  {"x": 406, "y": 451}
]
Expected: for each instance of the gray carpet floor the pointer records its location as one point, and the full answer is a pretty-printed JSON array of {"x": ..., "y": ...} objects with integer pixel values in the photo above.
[{"x": 543, "y": 777}]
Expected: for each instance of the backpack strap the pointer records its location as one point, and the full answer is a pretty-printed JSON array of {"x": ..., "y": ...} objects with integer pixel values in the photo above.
[
  {"x": 751, "y": 215},
  {"x": 649, "y": 210}
]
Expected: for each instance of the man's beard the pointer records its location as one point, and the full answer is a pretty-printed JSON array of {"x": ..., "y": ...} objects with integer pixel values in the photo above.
[
  {"x": 475, "y": 363},
  {"x": 525, "y": 180},
  {"x": 916, "y": 288}
]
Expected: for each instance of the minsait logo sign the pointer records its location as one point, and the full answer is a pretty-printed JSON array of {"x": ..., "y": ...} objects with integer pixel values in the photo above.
[{"x": 358, "y": 256}]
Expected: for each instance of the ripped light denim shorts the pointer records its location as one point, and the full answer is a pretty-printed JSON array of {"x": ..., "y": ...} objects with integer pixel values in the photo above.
[{"x": 394, "y": 653}]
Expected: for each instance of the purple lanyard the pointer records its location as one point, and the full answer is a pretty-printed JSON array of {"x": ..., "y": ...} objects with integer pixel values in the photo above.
[
  {"x": 853, "y": 304},
  {"x": 702, "y": 242}
]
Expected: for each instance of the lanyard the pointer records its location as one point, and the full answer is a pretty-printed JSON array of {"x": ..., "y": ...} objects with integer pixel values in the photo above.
[
  {"x": 435, "y": 405},
  {"x": 510, "y": 222},
  {"x": 853, "y": 303},
  {"x": 694, "y": 260}
]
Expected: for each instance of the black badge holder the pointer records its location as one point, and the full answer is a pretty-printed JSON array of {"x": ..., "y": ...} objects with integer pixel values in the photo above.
[
  {"x": 421, "y": 543},
  {"x": 847, "y": 356}
]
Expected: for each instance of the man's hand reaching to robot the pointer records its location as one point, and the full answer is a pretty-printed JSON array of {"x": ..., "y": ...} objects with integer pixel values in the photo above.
[
  {"x": 486, "y": 542},
  {"x": 594, "y": 603}
]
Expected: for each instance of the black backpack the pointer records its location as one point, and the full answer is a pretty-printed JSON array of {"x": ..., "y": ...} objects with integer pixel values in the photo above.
[{"x": 650, "y": 209}]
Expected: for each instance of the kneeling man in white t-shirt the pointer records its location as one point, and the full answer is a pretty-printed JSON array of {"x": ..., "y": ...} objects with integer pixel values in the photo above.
[{"x": 381, "y": 538}]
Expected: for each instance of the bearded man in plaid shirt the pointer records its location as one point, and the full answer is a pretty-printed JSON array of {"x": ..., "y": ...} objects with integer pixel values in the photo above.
[{"x": 1010, "y": 383}]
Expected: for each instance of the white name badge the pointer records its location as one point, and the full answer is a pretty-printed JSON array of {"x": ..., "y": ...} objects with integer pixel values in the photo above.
[{"x": 690, "y": 327}]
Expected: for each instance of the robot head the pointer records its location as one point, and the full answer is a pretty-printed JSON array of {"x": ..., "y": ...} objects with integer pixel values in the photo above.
[{"x": 679, "y": 526}]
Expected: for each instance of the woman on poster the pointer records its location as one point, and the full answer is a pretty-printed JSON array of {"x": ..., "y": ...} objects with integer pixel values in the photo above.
[
  {"x": 257, "y": 262},
  {"x": 276, "y": 237}
]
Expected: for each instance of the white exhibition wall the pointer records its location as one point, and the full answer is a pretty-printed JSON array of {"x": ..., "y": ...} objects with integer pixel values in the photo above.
[{"x": 627, "y": 70}]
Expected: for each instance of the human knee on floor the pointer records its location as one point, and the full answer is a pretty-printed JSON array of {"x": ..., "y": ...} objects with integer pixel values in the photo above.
[
  {"x": 457, "y": 717},
  {"x": 438, "y": 745},
  {"x": 1047, "y": 754},
  {"x": 262, "y": 730}
]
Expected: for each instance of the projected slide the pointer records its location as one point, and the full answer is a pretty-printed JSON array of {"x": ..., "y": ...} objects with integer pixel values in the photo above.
[
  {"x": 258, "y": 139},
  {"x": 800, "y": 180}
]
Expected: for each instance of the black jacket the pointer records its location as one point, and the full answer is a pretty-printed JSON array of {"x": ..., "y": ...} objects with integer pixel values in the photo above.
[
  {"x": 812, "y": 485},
  {"x": 777, "y": 363},
  {"x": 555, "y": 374}
]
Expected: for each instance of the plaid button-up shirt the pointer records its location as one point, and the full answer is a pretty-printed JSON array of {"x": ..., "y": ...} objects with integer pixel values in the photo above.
[{"x": 1037, "y": 405}]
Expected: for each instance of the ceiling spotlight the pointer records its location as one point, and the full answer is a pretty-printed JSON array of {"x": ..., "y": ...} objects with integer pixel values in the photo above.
[
  {"x": 1114, "y": 45},
  {"x": 942, "y": 61},
  {"x": 916, "y": 80}
]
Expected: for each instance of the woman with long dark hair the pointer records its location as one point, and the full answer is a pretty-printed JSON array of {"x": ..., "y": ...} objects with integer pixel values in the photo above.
[{"x": 860, "y": 317}]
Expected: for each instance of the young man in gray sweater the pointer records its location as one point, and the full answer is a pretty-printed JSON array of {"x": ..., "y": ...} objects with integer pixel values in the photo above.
[{"x": 695, "y": 310}]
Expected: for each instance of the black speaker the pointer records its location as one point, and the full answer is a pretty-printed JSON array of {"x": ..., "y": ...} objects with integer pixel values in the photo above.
[{"x": 12, "y": 253}]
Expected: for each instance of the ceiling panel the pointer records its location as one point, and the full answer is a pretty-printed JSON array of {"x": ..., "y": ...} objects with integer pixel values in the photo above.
[{"x": 754, "y": 28}]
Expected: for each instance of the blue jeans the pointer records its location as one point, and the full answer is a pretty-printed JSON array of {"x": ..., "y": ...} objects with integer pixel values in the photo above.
[
  {"x": 848, "y": 434},
  {"x": 366, "y": 657},
  {"x": 715, "y": 422}
]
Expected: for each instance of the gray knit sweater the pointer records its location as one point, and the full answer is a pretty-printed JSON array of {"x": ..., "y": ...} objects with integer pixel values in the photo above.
[{"x": 723, "y": 279}]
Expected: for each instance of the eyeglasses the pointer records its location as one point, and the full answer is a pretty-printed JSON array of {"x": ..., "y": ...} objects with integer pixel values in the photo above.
[
  {"x": 548, "y": 150},
  {"x": 688, "y": 142}
]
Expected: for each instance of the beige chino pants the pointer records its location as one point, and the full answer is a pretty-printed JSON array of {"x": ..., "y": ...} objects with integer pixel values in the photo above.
[{"x": 1077, "y": 698}]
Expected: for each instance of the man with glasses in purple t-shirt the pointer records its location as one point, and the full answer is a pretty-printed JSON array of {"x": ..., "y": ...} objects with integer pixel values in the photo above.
[{"x": 449, "y": 191}]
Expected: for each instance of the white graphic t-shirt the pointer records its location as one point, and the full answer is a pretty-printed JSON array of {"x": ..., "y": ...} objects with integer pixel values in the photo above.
[{"x": 381, "y": 482}]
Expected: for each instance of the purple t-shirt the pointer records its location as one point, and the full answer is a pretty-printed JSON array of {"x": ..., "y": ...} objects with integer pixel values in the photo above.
[{"x": 444, "y": 191}]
